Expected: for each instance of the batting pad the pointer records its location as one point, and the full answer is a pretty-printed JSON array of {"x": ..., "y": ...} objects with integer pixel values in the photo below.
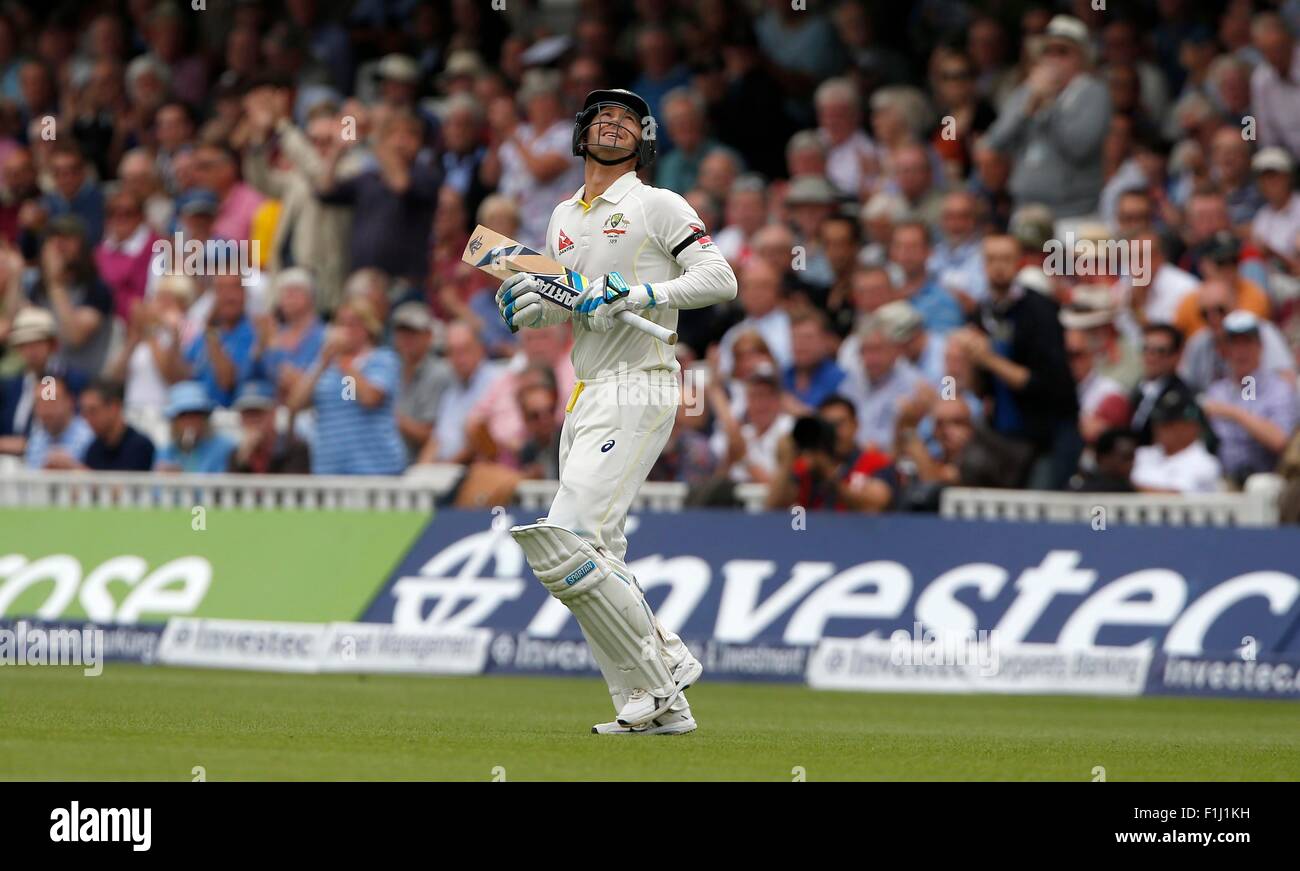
[{"x": 614, "y": 617}]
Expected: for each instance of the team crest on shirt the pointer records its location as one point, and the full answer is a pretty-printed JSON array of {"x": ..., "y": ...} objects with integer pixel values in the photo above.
[
  {"x": 615, "y": 226},
  {"x": 564, "y": 243}
]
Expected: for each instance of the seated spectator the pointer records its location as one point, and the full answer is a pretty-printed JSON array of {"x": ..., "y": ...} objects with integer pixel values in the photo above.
[
  {"x": 744, "y": 215},
  {"x": 59, "y": 436},
  {"x": 75, "y": 194},
  {"x": 194, "y": 447},
  {"x": 34, "y": 335},
  {"x": 685, "y": 122},
  {"x": 68, "y": 285},
  {"x": 1217, "y": 261},
  {"x": 353, "y": 387},
  {"x": 850, "y": 154},
  {"x": 473, "y": 375},
  {"x": 1253, "y": 410},
  {"x": 811, "y": 473},
  {"x": 221, "y": 357},
  {"x": 966, "y": 453},
  {"x": 1206, "y": 359},
  {"x": 539, "y": 455},
  {"x": 298, "y": 339},
  {"x": 924, "y": 350},
  {"x": 746, "y": 445},
  {"x": 262, "y": 450},
  {"x": 687, "y": 457},
  {"x": 1158, "y": 301},
  {"x": 424, "y": 375},
  {"x": 760, "y": 298},
  {"x": 150, "y": 359},
  {"x": 872, "y": 290},
  {"x": 1103, "y": 401},
  {"x": 1176, "y": 461},
  {"x": 118, "y": 446},
  {"x": 1113, "y": 454},
  {"x": 1276, "y": 228},
  {"x": 126, "y": 252},
  {"x": 812, "y": 377},
  {"x": 909, "y": 255},
  {"x": 498, "y": 413},
  {"x": 1161, "y": 347},
  {"x": 880, "y": 382},
  {"x": 958, "y": 260}
]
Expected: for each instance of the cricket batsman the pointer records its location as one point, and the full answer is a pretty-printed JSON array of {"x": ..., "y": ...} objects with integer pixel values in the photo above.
[{"x": 653, "y": 257}]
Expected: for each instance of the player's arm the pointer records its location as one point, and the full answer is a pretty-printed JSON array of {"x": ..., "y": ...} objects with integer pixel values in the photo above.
[{"x": 707, "y": 277}]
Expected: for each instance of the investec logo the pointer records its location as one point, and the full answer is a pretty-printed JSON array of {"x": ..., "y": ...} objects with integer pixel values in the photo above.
[
  {"x": 463, "y": 585},
  {"x": 77, "y": 824}
]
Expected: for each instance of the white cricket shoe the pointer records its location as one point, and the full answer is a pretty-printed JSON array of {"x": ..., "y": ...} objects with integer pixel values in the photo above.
[
  {"x": 642, "y": 708},
  {"x": 677, "y": 721}
]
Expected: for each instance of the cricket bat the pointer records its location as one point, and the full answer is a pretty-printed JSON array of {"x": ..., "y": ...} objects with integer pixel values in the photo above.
[{"x": 500, "y": 256}]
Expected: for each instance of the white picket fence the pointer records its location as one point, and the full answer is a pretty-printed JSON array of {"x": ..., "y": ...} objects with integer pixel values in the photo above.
[{"x": 422, "y": 486}]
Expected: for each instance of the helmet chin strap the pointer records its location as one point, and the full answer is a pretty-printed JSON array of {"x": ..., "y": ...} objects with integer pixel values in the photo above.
[{"x": 604, "y": 162}]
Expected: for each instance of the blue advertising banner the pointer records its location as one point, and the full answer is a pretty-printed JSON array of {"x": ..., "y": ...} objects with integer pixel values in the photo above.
[{"x": 755, "y": 594}]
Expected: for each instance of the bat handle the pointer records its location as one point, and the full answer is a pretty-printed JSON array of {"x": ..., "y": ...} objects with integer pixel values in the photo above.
[{"x": 663, "y": 334}]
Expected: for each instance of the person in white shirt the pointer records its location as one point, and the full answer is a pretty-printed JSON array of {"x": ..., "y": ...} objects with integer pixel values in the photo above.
[
  {"x": 851, "y": 163},
  {"x": 647, "y": 254},
  {"x": 1177, "y": 462},
  {"x": 748, "y": 444},
  {"x": 1276, "y": 227}
]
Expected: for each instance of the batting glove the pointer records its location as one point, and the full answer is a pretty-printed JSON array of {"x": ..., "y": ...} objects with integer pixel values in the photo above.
[
  {"x": 519, "y": 302},
  {"x": 600, "y": 304}
]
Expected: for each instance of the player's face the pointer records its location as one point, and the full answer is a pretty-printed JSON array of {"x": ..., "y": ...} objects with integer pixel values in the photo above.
[{"x": 614, "y": 132}]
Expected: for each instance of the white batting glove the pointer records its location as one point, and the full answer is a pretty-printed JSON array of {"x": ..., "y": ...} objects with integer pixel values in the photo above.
[
  {"x": 519, "y": 302},
  {"x": 600, "y": 304}
]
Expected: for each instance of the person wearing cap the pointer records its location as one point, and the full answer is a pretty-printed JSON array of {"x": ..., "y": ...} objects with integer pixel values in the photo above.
[
  {"x": 1276, "y": 228},
  {"x": 194, "y": 446},
  {"x": 1176, "y": 461},
  {"x": 301, "y": 333},
  {"x": 1054, "y": 125},
  {"x": 1205, "y": 359},
  {"x": 424, "y": 376},
  {"x": 35, "y": 336},
  {"x": 1217, "y": 260},
  {"x": 353, "y": 387},
  {"x": 1103, "y": 401},
  {"x": 59, "y": 435},
  {"x": 149, "y": 361},
  {"x": 917, "y": 345},
  {"x": 69, "y": 286},
  {"x": 535, "y": 154},
  {"x": 1253, "y": 410},
  {"x": 74, "y": 191},
  {"x": 118, "y": 446},
  {"x": 809, "y": 201},
  {"x": 262, "y": 450}
]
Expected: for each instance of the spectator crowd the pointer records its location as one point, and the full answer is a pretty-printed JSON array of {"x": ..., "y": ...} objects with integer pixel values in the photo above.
[{"x": 996, "y": 243}]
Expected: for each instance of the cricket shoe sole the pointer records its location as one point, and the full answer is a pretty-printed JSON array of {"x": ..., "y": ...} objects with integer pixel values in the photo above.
[{"x": 676, "y": 727}]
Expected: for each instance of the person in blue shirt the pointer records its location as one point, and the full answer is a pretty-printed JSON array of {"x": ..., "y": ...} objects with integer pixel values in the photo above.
[
  {"x": 222, "y": 356},
  {"x": 298, "y": 340},
  {"x": 194, "y": 446},
  {"x": 813, "y": 377},
  {"x": 59, "y": 436},
  {"x": 354, "y": 390},
  {"x": 909, "y": 253}
]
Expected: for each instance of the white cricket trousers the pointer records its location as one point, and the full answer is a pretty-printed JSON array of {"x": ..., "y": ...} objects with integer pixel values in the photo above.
[{"x": 614, "y": 430}]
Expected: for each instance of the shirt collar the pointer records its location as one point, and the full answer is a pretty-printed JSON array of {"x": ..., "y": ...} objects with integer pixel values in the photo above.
[{"x": 612, "y": 194}]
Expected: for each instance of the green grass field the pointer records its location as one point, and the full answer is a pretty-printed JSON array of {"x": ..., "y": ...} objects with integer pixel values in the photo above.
[{"x": 153, "y": 723}]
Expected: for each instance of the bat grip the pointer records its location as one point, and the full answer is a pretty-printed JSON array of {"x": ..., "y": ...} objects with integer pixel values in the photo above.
[{"x": 663, "y": 334}]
